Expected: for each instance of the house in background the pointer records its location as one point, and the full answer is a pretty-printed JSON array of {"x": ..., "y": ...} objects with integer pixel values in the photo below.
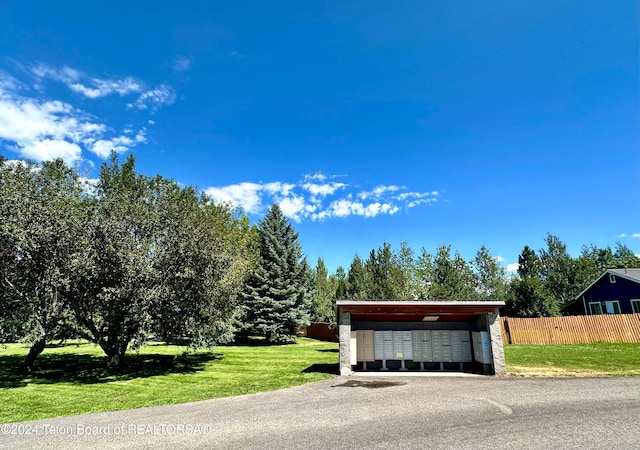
[{"x": 616, "y": 291}]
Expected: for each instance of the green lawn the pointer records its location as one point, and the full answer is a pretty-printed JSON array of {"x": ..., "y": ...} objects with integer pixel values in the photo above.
[
  {"x": 578, "y": 360},
  {"x": 71, "y": 379}
]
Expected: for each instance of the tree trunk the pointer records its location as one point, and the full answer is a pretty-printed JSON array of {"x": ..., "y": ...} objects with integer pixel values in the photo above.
[
  {"x": 34, "y": 351},
  {"x": 115, "y": 357}
]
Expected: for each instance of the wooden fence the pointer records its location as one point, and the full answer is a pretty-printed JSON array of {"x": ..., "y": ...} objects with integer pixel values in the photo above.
[
  {"x": 320, "y": 331},
  {"x": 571, "y": 329}
]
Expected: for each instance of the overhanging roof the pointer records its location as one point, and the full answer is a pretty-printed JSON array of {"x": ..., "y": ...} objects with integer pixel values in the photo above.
[{"x": 407, "y": 310}]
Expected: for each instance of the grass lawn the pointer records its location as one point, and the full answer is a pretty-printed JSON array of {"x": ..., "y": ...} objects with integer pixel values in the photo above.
[
  {"x": 578, "y": 360},
  {"x": 72, "y": 379}
]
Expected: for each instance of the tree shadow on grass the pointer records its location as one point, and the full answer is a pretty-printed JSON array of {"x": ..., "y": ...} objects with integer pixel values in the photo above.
[
  {"x": 328, "y": 350},
  {"x": 88, "y": 369},
  {"x": 322, "y": 368}
]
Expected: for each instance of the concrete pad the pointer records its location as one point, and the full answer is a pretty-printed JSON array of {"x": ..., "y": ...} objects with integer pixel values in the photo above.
[{"x": 395, "y": 374}]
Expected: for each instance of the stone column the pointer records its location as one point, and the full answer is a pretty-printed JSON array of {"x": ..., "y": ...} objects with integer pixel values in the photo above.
[
  {"x": 344, "y": 337},
  {"x": 495, "y": 332}
]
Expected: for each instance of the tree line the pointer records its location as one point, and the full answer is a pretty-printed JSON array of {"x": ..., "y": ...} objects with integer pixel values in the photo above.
[
  {"x": 545, "y": 280},
  {"x": 129, "y": 257}
]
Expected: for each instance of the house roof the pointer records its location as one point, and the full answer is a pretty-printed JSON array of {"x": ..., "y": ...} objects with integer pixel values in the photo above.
[
  {"x": 442, "y": 311},
  {"x": 629, "y": 274}
]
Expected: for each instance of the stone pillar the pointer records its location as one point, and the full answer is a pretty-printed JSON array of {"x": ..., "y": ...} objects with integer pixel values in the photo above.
[
  {"x": 344, "y": 337},
  {"x": 495, "y": 332}
]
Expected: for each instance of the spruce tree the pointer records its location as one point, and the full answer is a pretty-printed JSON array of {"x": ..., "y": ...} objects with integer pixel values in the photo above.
[{"x": 277, "y": 297}]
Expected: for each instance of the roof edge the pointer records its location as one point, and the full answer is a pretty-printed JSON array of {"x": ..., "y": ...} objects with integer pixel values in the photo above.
[{"x": 421, "y": 302}]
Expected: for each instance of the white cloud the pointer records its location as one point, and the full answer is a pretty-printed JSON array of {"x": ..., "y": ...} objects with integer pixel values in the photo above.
[
  {"x": 378, "y": 191},
  {"x": 119, "y": 144},
  {"x": 82, "y": 83},
  {"x": 314, "y": 198},
  {"x": 44, "y": 130},
  {"x": 294, "y": 207},
  {"x": 636, "y": 235},
  {"x": 499, "y": 259},
  {"x": 277, "y": 188},
  {"x": 182, "y": 64},
  {"x": 243, "y": 195},
  {"x": 621, "y": 235},
  {"x": 154, "y": 98},
  {"x": 318, "y": 176},
  {"x": 49, "y": 149},
  {"x": 512, "y": 268},
  {"x": 323, "y": 190}
]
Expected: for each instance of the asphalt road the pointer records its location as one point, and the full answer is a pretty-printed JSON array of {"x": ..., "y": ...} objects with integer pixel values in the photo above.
[{"x": 341, "y": 413}]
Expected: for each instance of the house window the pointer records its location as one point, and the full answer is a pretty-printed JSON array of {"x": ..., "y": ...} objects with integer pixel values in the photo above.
[
  {"x": 612, "y": 307},
  {"x": 612, "y": 278},
  {"x": 635, "y": 306},
  {"x": 595, "y": 307}
]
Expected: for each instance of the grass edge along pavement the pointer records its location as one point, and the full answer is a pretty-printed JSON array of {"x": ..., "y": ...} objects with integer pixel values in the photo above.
[
  {"x": 72, "y": 379},
  {"x": 573, "y": 360}
]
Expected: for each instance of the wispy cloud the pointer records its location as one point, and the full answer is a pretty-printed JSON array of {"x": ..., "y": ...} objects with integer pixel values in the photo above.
[
  {"x": 96, "y": 87},
  {"x": 91, "y": 87},
  {"x": 625, "y": 235},
  {"x": 182, "y": 64},
  {"x": 118, "y": 144},
  {"x": 316, "y": 198},
  {"x": 42, "y": 130},
  {"x": 154, "y": 98}
]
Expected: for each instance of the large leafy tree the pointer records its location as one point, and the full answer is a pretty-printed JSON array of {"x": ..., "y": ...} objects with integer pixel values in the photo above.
[
  {"x": 39, "y": 232},
  {"x": 155, "y": 258},
  {"x": 277, "y": 296},
  {"x": 558, "y": 271},
  {"x": 115, "y": 287},
  {"x": 490, "y": 276},
  {"x": 204, "y": 253}
]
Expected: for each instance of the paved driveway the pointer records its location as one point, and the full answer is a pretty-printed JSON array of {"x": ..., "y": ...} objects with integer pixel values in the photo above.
[{"x": 356, "y": 413}]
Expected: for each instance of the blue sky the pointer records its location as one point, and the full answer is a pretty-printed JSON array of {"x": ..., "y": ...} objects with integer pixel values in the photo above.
[{"x": 466, "y": 123}]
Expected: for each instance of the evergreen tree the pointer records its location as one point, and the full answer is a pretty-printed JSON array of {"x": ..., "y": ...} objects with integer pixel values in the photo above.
[
  {"x": 324, "y": 297},
  {"x": 341, "y": 283},
  {"x": 356, "y": 280},
  {"x": 452, "y": 278},
  {"x": 527, "y": 296},
  {"x": 277, "y": 296}
]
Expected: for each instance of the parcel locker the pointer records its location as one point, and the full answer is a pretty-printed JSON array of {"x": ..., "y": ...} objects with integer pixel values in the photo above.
[
  {"x": 365, "y": 345},
  {"x": 482, "y": 347},
  {"x": 461, "y": 346},
  {"x": 383, "y": 345},
  {"x": 422, "y": 346},
  {"x": 441, "y": 345},
  {"x": 402, "y": 345}
]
